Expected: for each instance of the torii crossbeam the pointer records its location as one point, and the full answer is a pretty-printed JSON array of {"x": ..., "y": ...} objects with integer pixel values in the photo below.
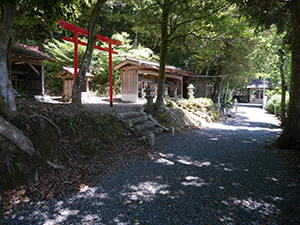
[{"x": 78, "y": 30}]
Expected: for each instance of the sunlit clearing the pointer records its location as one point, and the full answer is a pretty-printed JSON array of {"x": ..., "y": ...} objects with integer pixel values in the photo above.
[{"x": 146, "y": 191}]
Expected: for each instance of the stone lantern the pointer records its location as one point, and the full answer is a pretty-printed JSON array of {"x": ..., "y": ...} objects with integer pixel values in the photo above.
[
  {"x": 191, "y": 88},
  {"x": 149, "y": 96}
]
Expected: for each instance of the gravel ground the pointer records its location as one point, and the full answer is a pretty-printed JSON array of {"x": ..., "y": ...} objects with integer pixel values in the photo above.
[
  {"x": 222, "y": 174},
  {"x": 102, "y": 105}
]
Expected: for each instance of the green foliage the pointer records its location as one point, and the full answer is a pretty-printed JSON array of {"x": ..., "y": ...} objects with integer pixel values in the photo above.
[
  {"x": 274, "y": 103},
  {"x": 199, "y": 104},
  {"x": 266, "y": 57},
  {"x": 35, "y": 20},
  {"x": 170, "y": 104}
]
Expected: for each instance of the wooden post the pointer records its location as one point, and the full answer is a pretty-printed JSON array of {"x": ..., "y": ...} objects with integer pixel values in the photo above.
[
  {"x": 42, "y": 77},
  {"x": 110, "y": 76},
  {"x": 75, "y": 54}
]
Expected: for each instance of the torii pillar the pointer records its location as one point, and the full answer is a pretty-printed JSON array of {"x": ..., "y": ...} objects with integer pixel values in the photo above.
[{"x": 78, "y": 30}]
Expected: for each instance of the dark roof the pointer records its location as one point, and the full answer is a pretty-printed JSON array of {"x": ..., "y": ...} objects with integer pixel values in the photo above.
[
  {"x": 151, "y": 66},
  {"x": 28, "y": 51},
  {"x": 70, "y": 71},
  {"x": 258, "y": 83}
]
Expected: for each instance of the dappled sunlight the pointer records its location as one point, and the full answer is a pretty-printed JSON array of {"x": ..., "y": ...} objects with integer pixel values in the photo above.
[
  {"x": 180, "y": 159},
  {"x": 194, "y": 181},
  {"x": 63, "y": 215},
  {"x": 145, "y": 191},
  {"x": 87, "y": 191},
  {"x": 250, "y": 204},
  {"x": 189, "y": 161},
  {"x": 169, "y": 155},
  {"x": 62, "y": 210},
  {"x": 272, "y": 179},
  {"x": 165, "y": 161}
]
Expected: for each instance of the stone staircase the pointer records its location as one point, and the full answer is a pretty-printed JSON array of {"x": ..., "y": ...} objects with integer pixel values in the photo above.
[{"x": 146, "y": 127}]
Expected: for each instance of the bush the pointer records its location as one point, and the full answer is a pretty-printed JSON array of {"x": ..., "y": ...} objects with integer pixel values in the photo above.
[
  {"x": 275, "y": 101},
  {"x": 170, "y": 104},
  {"x": 201, "y": 104}
]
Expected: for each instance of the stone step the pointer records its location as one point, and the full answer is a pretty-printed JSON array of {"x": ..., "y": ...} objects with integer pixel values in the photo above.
[
  {"x": 156, "y": 130},
  {"x": 126, "y": 115},
  {"x": 162, "y": 137},
  {"x": 145, "y": 125},
  {"x": 136, "y": 120}
]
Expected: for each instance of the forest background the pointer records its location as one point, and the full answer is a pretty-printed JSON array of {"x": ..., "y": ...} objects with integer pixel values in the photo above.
[{"x": 223, "y": 43}]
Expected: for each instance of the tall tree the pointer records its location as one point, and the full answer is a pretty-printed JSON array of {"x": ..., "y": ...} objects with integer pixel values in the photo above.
[
  {"x": 7, "y": 100},
  {"x": 290, "y": 136},
  {"x": 174, "y": 19},
  {"x": 77, "y": 86}
]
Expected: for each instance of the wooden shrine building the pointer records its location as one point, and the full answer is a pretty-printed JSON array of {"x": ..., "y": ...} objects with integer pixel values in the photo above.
[
  {"x": 256, "y": 90},
  {"x": 68, "y": 76},
  {"x": 136, "y": 74},
  {"x": 27, "y": 65}
]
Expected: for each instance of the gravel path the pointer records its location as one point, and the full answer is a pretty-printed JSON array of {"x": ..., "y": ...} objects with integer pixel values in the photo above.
[{"x": 222, "y": 174}]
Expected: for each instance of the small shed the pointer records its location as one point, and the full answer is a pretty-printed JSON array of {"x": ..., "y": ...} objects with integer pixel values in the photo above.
[
  {"x": 27, "y": 65},
  {"x": 256, "y": 90},
  {"x": 136, "y": 74},
  {"x": 68, "y": 76}
]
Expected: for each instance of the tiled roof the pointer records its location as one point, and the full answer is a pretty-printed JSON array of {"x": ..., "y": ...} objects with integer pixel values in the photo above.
[
  {"x": 28, "y": 51},
  {"x": 150, "y": 65},
  {"x": 258, "y": 83}
]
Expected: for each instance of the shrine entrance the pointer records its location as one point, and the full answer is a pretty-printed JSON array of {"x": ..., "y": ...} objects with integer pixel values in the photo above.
[{"x": 78, "y": 30}]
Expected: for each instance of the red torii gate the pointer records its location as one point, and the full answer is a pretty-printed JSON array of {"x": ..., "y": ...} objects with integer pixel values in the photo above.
[{"x": 79, "y": 30}]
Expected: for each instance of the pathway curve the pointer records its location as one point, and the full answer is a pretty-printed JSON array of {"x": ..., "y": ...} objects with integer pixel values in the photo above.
[{"x": 222, "y": 174}]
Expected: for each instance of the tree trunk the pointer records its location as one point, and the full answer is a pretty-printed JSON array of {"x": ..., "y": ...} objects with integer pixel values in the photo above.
[
  {"x": 283, "y": 87},
  {"x": 16, "y": 136},
  {"x": 7, "y": 100},
  {"x": 218, "y": 84},
  {"x": 226, "y": 93},
  {"x": 290, "y": 136},
  {"x": 77, "y": 86},
  {"x": 163, "y": 56}
]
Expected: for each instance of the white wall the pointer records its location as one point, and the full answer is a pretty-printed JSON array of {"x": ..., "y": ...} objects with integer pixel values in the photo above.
[{"x": 130, "y": 97}]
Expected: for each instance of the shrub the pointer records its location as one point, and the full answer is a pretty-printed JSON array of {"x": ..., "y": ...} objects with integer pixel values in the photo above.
[
  {"x": 275, "y": 101},
  {"x": 170, "y": 104},
  {"x": 201, "y": 104}
]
